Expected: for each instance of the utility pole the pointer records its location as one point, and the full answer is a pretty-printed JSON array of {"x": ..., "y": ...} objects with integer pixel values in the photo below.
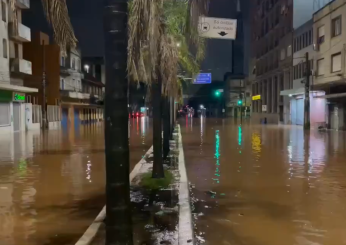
[
  {"x": 307, "y": 94},
  {"x": 241, "y": 107},
  {"x": 44, "y": 112}
]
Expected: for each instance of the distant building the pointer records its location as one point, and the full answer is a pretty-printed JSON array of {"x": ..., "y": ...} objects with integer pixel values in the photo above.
[
  {"x": 13, "y": 115},
  {"x": 329, "y": 60},
  {"x": 70, "y": 99}
]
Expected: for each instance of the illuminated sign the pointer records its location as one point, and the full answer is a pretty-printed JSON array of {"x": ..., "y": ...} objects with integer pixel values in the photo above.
[
  {"x": 19, "y": 97},
  {"x": 256, "y": 97}
]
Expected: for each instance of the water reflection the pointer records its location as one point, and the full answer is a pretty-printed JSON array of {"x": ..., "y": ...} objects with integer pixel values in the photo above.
[
  {"x": 276, "y": 178},
  {"x": 52, "y": 183}
]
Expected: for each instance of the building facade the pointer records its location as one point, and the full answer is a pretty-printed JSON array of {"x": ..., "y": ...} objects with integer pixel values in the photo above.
[
  {"x": 13, "y": 109},
  {"x": 273, "y": 44},
  {"x": 302, "y": 48},
  {"x": 329, "y": 60}
]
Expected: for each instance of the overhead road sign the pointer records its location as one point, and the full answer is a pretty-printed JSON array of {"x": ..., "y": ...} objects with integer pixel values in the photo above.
[
  {"x": 202, "y": 78},
  {"x": 217, "y": 28}
]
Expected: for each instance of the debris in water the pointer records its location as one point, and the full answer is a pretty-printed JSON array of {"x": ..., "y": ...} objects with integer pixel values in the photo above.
[
  {"x": 241, "y": 214},
  {"x": 160, "y": 213},
  {"x": 206, "y": 206},
  {"x": 223, "y": 194},
  {"x": 200, "y": 239}
]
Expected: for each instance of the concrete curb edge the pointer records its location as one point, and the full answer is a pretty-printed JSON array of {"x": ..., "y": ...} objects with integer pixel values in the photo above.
[
  {"x": 185, "y": 229},
  {"x": 92, "y": 230}
]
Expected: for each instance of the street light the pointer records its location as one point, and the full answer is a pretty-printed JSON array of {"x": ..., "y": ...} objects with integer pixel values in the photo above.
[{"x": 201, "y": 106}]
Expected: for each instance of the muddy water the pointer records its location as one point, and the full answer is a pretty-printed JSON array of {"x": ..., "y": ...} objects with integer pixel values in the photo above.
[
  {"x": 265, "y": 185},
  {"x": 52, "y": 185}
]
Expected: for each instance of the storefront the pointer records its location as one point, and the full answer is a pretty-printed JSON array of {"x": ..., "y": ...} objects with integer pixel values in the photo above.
[
  {"x": 296, "y": 107},
  {"x": 12, "y": 107}
]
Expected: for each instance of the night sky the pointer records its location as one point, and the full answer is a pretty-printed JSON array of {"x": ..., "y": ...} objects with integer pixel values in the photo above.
[{"x": 86, "y": 17}]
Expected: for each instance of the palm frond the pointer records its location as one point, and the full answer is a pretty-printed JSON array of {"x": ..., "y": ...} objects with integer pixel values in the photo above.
[{"x": 57, "y": 16}]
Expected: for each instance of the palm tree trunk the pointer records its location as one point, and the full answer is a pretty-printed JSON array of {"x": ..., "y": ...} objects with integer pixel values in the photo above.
[
  {"x": 157, "y": 128},
  {"x": 118, "y": 219},
  {"x": 166, "y": 126}
]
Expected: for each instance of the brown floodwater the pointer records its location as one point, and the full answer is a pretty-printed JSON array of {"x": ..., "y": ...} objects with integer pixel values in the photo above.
[
  {"x": 265, "y": 184},
  {"x": 52, "y": 184}
]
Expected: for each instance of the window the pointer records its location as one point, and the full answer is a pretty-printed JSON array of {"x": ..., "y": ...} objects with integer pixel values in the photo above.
[
  {"x": 289, "y": 50},
  {"x": 62, "y": 61},
  {"x": 73, "y": 63},
  {"x": 320, "y": 67},
  {"x": 336, "y": 62},
  {"x": 320, "y": 36},
  {"x": 283, "y": 54},
  {"x": 336, "y": 26},
  {"x": 3, "y": 10},
  {"x": 62, "y": 84},
  {"x": 310, "y": 37},
  {"x": 16, "y": 50},
  {"x": 303, "y": 41},
  {"x": 5, "y": 114},
  {"x": 4, "y": 48}
]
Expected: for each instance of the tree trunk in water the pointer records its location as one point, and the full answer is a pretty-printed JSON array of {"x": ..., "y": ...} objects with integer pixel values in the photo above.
[
  {"x": 118, "y": 218},
  {"x": 157, "y": 129},
  {"x": 166, "y": 126}
]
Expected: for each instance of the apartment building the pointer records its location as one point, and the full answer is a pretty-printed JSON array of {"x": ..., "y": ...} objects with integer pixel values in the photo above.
[
  {"x": 329, "y": 60},
  {"x": 14, "y": 114},
  {"x": 273, "y": 44},
  {"x": 302, "y": 46}
]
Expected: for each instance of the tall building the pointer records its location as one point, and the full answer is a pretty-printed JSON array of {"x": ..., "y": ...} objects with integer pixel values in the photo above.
[
  {"x": 13, "y": 68},
  {"x": 273, "y": 43}
]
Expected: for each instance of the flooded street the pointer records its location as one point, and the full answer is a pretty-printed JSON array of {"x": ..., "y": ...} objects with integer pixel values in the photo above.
[
  {"x": 265, "y": 185},
  {"x": 52, "y": 185}
]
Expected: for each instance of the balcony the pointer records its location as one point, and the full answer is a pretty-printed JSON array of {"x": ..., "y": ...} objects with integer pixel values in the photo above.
[
  {"x": 74, "y": 95},
  {"x": 21, "y": 66},
  {"x": 23, "y": 4},
  {"x": 22, "y": 34}
]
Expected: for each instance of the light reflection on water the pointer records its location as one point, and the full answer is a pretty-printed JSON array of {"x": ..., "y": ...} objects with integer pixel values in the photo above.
[
  {"x": 52, "y": 184},
  {"x": 279, "y": 185}
]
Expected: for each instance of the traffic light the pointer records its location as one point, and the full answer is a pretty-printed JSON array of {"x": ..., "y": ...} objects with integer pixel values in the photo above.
[
  {"x": 217, "y": 93},
  {"x": 239, "y": 102}
]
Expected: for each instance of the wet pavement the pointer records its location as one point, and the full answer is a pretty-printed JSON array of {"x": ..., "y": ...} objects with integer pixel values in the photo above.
[
  {"x": 265, "y": 185},
  {"x": 52, "y": 185}
]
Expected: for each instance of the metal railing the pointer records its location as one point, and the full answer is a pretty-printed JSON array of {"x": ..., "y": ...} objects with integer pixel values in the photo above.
[{"x": 36, "y": 114}]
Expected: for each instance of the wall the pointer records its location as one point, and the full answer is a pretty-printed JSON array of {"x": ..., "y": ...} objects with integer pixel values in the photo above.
[
  {"x": 28, "y": 118},
  {"x": 74, "y": 81},
  {"x": 33, "y": 52}
]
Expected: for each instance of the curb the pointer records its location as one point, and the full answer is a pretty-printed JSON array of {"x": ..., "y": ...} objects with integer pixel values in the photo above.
[
  {"x": 185, "y": 219},
  {"x": 92, "y": 230}
]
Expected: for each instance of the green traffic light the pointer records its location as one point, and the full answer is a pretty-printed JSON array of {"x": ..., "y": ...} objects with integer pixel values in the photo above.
[
  {"x": 239, "y": 102},
  {"x": 217, "y": 93}
]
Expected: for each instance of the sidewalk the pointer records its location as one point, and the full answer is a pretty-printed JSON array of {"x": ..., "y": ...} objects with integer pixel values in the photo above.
[{"x": 162, "y": 218}]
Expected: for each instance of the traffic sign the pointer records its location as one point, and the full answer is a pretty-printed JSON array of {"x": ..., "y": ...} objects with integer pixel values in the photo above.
[
  {"x": 202, "y": 78},
  {"x": 217, "y": 28}
]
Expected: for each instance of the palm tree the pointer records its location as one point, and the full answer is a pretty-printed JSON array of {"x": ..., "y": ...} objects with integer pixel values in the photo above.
[{"x": 159, "y": 39}]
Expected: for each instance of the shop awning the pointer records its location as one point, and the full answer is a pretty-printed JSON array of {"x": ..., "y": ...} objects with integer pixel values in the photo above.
[
  {"x": 290, "y": 92},
  {"x": 331, "y": 96},
  {"x": 15, "y": 88}
]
